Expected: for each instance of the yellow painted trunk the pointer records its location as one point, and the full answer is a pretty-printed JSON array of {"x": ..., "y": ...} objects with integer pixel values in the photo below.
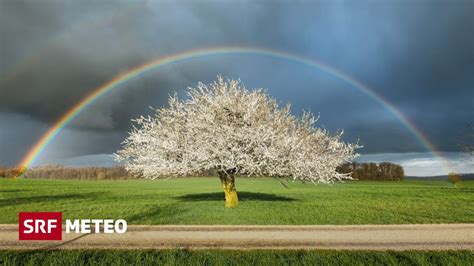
[{"x": 231, "y": 198}]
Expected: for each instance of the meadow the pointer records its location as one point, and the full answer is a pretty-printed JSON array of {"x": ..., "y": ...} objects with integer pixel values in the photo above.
[{"x": 262, "y": 201}]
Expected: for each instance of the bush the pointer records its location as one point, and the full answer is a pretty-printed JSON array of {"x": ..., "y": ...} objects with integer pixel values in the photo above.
[
  {"x": 12, "y": 172},
  {"x": 454, "y": 178}
]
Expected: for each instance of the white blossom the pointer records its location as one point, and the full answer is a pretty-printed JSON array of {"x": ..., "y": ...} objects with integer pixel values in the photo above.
[{"x": 224, "y": 126}]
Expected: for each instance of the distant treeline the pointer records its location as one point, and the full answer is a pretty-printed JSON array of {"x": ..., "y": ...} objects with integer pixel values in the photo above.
[
  {"x": 76, "y": 173},
  {"x": 61, "y": 172},
  {"x": 371, "y": 171},
  {"x": 361, "y": 171}
]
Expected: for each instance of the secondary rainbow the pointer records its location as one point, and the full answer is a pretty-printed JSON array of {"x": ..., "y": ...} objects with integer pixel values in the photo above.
[
  {"x": 120, "y": 79},
  {"x": 36, "y": 55}
]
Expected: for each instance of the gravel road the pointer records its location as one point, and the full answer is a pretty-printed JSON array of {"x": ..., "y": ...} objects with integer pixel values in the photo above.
[{"x": 368, "y": 237}]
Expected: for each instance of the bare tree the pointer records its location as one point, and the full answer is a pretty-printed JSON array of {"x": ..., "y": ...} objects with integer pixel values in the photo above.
[{"x": 225, "y": 127}]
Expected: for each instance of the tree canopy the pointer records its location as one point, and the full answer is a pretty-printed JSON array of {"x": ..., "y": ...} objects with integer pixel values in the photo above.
[{"x": 231, "y": 129}]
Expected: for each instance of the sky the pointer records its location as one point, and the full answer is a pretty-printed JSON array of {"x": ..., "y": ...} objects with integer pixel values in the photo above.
[{"x": 417, "y": 54}]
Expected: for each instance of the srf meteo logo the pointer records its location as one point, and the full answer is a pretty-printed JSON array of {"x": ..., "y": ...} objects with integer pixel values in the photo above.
[
  {"x": 49, "y": 226},
  {"x": 40, "y": 226}
]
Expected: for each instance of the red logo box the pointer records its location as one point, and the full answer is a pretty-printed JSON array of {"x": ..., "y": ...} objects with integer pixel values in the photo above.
[{"x": 40, "y": 226}]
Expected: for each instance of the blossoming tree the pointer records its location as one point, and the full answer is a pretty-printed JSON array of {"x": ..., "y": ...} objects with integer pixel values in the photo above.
[{"x": 225, "y": 127}]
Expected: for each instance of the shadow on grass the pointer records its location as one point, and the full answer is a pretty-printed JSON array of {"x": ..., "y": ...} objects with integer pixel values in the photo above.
[
  {"x": 163, "y": 214},
  {"x": 12, "y": 190},
  {"x": 46, "y": 198},
  {"x": 243, "y": 196}
]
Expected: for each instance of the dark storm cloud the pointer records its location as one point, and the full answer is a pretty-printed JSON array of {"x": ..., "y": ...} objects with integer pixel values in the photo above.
[
  {"x": 22, "y": 132},
  {"x": 418, "y": 55},
  {"x": 75, "y": 59}
]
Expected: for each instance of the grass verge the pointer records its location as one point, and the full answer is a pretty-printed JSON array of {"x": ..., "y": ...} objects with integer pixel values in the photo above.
[{"x": 235, "y": 257}]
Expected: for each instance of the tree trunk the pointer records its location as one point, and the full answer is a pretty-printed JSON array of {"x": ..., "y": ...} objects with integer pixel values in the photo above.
[{"x": 228, "y": 183}]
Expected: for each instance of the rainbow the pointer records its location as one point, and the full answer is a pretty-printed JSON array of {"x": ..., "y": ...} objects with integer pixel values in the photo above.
[{"x": 140, "y": 70}]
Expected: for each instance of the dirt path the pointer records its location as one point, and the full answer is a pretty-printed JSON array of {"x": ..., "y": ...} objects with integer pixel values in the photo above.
[{"x": 374, "y": 237}]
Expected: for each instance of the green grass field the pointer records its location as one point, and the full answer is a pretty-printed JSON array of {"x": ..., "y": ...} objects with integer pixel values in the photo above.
[
  {"x": 234, "y": 257},
  {"x": 262, "y": 201}
]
